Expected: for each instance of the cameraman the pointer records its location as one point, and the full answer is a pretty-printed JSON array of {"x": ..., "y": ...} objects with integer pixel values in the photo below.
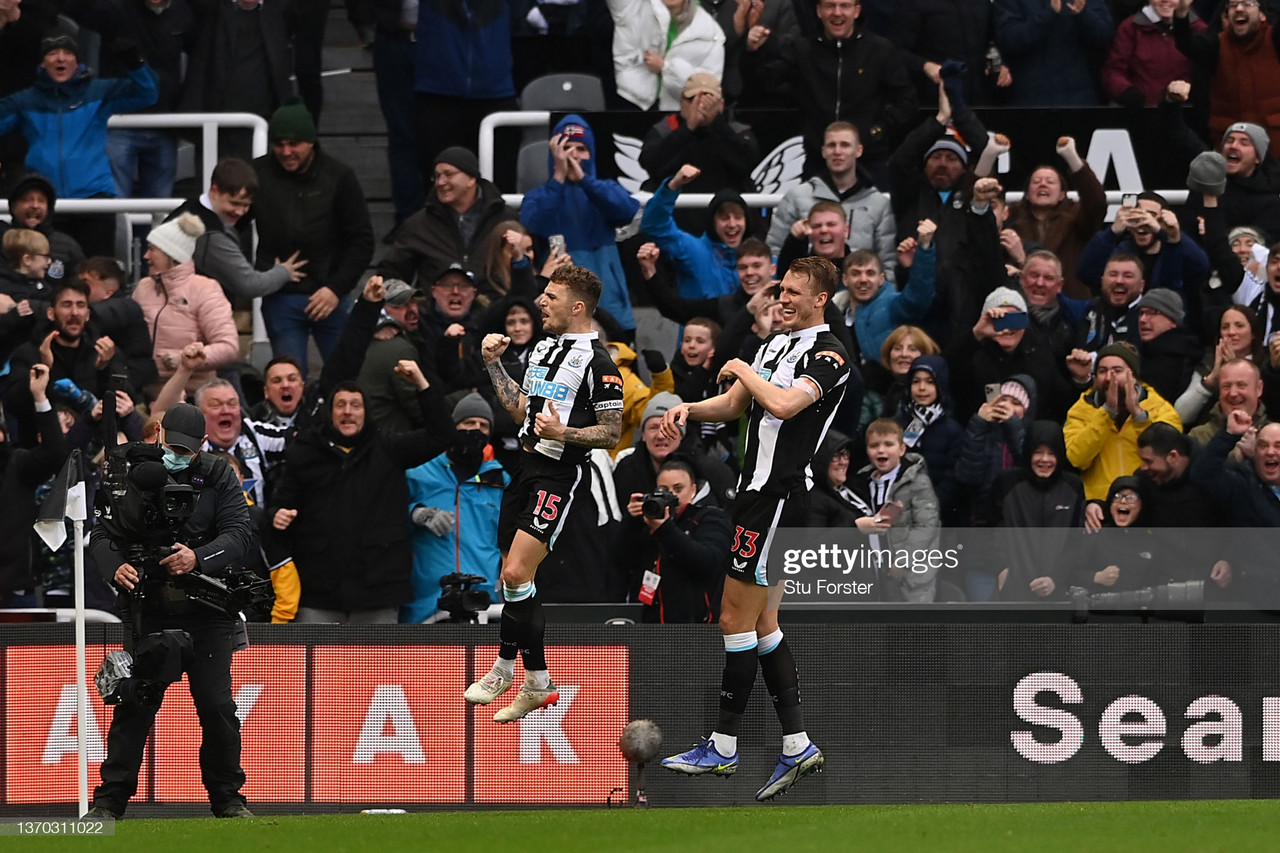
[
  {"x": 683, "y": 565},
  {"x": 214, "y": 538}
]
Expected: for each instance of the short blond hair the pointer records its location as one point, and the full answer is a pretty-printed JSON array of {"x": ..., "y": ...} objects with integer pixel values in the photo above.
[{"x": 23, "y": 241}]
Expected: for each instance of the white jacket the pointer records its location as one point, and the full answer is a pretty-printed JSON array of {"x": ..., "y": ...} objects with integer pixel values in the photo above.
[{"x": 640, "y": 25}]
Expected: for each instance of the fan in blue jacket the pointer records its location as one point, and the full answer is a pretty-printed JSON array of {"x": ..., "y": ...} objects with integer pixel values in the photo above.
[
  {"x": 454, "y": 501},
  {"x": 706, "y": 266},
  {"x": 587, "y": 210},
  {"x": 64, "y": 115}
]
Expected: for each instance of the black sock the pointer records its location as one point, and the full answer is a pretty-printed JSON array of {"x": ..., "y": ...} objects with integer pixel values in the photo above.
[
  {"x": 514, "y": 627},
  {"x": 779, "y": 668},
  {"x": 735, "y": 689},
  {"x": 531, "y": 649}
]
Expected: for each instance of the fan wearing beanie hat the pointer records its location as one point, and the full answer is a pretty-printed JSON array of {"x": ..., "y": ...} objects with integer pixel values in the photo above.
[
  {"x": 183, "y": 309},
  {"x": 310, "y": 207},
  {"x": 1103, "y": 426}
]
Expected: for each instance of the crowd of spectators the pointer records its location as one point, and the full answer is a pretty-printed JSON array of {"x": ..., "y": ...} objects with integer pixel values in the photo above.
[{"x": 1028, "y": 365}]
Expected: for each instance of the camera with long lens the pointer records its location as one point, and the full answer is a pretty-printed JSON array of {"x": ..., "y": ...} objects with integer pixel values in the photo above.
[
  {"x": 463, "y": 596},
  {"x": 658, "y": 503},
  {"x": 1171, "y": 597}
]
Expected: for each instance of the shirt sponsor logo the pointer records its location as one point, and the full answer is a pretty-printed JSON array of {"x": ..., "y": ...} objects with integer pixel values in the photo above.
[
  {"x": 832, "y": 355},
  {"x": 610, "y": 379}
]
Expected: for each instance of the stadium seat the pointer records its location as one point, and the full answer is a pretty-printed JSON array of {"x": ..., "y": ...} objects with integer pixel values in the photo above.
[
  {"x": 531, "y": 165},
  {"x": 561, "y": 93}
]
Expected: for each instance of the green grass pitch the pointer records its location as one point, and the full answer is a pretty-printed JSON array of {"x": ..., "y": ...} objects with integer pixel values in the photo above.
[{"x": 1232, "y": 826}]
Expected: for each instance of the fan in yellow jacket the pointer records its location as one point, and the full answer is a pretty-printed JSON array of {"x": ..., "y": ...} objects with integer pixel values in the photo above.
[
  {"x": 635, "y": 394},
  {"x": 1103, "y": 426}
]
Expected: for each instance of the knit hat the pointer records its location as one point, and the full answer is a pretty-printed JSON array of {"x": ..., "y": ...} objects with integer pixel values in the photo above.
[
  {"x": 472, "y": 406},
  {"x": 293, "y": 122},
  {"x": 659, "y": 405},
  {"x": 1256, "y": 133},
  {"x": 1124, "y": 353},
  {"x": 1164, "y": 301},
  {"x": 177, "y": 237},
  {"x": 398, "y": 292},
  {"x": 1004, "y": 296},
  {"x": 461, "y": 159},
  {"x": 1208, "y": 174},
  {"x": 1236, "y": 233},
  {"x": 59, "y": 41},
  {"x": 949, "y": 143},
  {"x": 701, "y": 82},
  {"x": 1014, "y": 389}
]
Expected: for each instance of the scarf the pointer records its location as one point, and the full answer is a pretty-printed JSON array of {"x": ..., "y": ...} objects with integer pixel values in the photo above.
[{"x": 921, "y": 418}]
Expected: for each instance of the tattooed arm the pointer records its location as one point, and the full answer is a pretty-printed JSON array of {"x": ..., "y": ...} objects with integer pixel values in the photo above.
[
  {"x": 604, "y": 434},
  {"x": 506, "y": 389}
]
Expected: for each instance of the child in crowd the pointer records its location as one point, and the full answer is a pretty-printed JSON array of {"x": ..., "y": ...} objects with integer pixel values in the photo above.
[{"x": 899, "y": 512}]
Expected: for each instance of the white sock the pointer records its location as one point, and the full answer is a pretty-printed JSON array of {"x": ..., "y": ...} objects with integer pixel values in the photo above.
[
  {"x": 726, "y": 745},
  {"x": 795, "y": 744},
  {"x": 539, "y": 679},
  {"x": 505, "y": 667}
]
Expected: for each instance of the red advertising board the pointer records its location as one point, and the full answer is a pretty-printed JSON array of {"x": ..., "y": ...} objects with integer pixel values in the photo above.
[{"x": 387, "y": 724}]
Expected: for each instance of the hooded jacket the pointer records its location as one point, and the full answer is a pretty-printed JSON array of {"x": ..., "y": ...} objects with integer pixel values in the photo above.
[
  {"x": 1104, "y": 450},
  {"x": 916, "y": 528},
  {"x": 180, "y": 307},
  {"x": 350, "y": 539},
  {"x": 66, "y": 126},
  {"x": 1045, "y": 517},
  {"x": 829, "y": 506},
  {"x": 989, "y": 448},
  {"x": 1177, "y": 264},
  {"x": 642, "y": 25},
  {"x": 705, "y": 267},
  {"x": 1137, "y": 550},
  {"x": 588, "y": 214},
  {"x": 941, "y": 440}
]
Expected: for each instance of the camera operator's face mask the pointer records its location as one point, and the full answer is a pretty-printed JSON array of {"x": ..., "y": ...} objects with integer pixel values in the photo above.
[
  {"x": 467, "y": 452},
  {"x": 175, "y": 462}
]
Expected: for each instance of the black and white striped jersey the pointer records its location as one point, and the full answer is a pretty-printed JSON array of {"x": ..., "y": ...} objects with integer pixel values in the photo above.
[
  {"x": 575, "y": 373},
  {"x": 777, "y": 453}
]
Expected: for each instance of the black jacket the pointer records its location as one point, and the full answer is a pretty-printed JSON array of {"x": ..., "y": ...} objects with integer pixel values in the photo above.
[
  {"x": 1168, "y": 362},
  {"x": 21, "y": 471},
  {"x": 689, "y": 554},
  {"x": 860, "y": 80},
  {"x": 430, "y": 240},
  {"x": 938, "y": 30},
  {"x": 321, "y": 213},
  {"x": 215, "y": 50},
  {"x": 219, "y": 531},
  {"x": 120, "y": 318},
  {"x": 165, "y": 38},
  {"x": 726, "y": 151},
  {"x": 350, "y": 540}
]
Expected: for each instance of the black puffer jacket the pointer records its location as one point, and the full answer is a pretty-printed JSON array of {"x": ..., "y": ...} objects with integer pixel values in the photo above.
[{"x": 21, "y": 471}]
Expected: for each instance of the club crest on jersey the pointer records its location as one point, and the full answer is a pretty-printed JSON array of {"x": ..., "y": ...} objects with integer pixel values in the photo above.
[
  {"x": 793, "y": 358},
  {"x": 577, "y": 359}
]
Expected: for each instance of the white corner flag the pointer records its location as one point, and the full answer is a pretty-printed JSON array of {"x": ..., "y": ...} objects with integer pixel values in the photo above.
[{"x": 66, "y": 500}]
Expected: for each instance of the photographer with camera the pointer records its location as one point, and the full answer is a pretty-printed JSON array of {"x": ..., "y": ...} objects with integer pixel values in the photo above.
[
  {"x": 165, "y": 532},
  {"x": 682, "y": 565}
]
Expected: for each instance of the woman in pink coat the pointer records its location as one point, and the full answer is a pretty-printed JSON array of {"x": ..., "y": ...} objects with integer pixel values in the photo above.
[{"x": 181, "y": 307}]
